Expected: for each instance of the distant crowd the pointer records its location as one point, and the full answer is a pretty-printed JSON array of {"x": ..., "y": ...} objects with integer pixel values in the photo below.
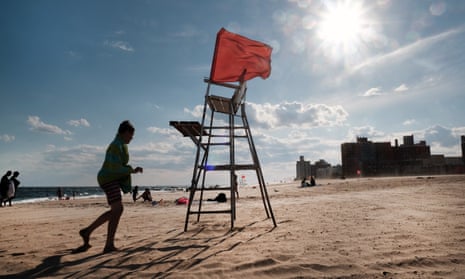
[{"x": 8, "y": 187}]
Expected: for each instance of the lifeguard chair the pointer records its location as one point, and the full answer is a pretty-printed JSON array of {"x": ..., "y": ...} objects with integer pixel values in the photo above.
[{"x": 224, "y": 122}]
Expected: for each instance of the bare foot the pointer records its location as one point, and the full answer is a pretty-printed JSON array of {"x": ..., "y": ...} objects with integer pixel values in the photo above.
[
  {"x": 82, "y": 248},
  {"x": 109, "y": 249},
  {"x": 85, "y": 236}
]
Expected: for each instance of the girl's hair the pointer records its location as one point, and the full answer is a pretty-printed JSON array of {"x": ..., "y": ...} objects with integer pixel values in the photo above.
[{"x": 125, "y": 126}]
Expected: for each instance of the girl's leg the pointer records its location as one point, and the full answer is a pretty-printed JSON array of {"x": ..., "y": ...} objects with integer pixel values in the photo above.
[
  {"x": 114, "y": 199},
  {"x": 86, "y": 232},
  {"x": 116, "y": 212}
]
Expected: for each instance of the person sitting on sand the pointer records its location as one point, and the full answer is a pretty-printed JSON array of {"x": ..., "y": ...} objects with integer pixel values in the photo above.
[
  {"x": 312, "y": 181},
  {"x": 304, "y": 182},
  {"x": 221, "y": 197},
  {"x": 146, "y": 195}
]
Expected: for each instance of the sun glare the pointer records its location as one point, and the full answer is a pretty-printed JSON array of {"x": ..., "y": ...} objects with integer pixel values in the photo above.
[{"x": 342, "y": 27}]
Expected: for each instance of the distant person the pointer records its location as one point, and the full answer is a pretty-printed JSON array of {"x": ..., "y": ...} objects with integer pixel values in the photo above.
[
  {"x": 312, "y": 181},
  {"x": 4, "y": 186},
  {"x": 146, "y": 196},
  {"x": 221, "y": 197},
  {"x": 59, "y": 193},
  {"x": 305, "y": 182},
  {"x": 135, "y": 191},
  {"x": 114, "y": 176},
  {"x": 13, "y": 184},
  {"x": 235, "y": 185}
]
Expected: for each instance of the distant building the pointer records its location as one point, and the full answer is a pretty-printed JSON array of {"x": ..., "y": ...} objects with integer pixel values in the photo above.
[
  {"x": 380, "y": 158},
  {"x": 303, "y": 169},
  {"x": 320, "y": 169}
]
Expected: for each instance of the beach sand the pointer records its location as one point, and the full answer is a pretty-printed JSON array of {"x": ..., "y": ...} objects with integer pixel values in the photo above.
[{"x": 407, "y": 227}]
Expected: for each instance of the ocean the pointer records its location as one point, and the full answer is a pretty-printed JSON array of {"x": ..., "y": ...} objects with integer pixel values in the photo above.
[{"x": 29, "y": 194}]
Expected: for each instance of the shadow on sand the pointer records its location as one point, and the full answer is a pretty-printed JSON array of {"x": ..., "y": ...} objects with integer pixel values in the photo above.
[{"x": 148, "y": 258}]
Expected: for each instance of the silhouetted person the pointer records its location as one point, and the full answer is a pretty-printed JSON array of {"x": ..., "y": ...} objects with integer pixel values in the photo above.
[
  {"x": 312, "y": 181},
  {"x": 14, "y": 182},
  {"x": 59, "y": 193},
  {"x": 221, "y": 197},
  {"x": 114, "y": 176},
  {"x": 235, "y": 185},
  {"x": 146, "y": 196},
  {"x": 304, "y": 182},
  {"x": 4, "y": 185}
]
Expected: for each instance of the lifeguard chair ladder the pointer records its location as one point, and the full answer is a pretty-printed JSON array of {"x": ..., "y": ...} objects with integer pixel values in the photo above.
[{"x": 204, "y": 138}]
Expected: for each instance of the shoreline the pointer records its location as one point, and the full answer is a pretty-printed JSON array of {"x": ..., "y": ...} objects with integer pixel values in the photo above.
[{"x": 50, "y": 196}]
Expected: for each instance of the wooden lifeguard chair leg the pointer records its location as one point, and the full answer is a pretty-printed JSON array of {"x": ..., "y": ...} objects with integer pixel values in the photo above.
[{"x": 261, "y": 180}]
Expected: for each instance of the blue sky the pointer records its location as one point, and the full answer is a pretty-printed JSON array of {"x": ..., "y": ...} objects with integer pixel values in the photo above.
[{"x": 71, "y": 71}]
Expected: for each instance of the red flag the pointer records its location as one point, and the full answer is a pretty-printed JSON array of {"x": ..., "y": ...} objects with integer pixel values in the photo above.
[{"x": 238, "y": 58}]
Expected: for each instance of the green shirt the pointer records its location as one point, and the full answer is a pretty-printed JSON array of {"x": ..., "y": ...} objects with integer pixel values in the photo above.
[{"x": 115, "y": 167}]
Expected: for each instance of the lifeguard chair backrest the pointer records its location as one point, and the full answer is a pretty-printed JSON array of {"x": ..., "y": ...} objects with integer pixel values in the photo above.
[{"x": 239, "y": 95}]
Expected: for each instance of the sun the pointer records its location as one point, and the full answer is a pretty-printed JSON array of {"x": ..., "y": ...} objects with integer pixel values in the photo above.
[{"x": 342, "y": 26}]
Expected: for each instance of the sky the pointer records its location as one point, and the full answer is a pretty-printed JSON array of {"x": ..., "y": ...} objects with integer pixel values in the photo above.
[{"x": 71, "y": 71}]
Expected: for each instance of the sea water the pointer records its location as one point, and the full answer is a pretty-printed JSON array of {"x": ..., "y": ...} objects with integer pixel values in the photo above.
[{"x": 26, "y": 194}]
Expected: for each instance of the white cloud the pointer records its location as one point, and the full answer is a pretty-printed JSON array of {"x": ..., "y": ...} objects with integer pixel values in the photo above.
[
  {"x": 438, "y": 8},
  {"x": 120, "y": 32},
  {"x": 72, "y": 156},
  {"x": 196, "y": 112},
  {"x": 365, "y": 131},
  {"x": 375, "y": 91},
  {"x": 295, "y": 114},
  {"x": 401, "y": 88},
  {"x": 7, "y": 138},
  {"x": 38, "y": 125},
  {"x": 409, "y": 50},
  {"x": 458, "y": 131},
  {"x": 162, "y": 131},
  {"x": 409, "y": 122},
  {"x": 119, "y": 45},
  {"x": 289, "y": 114},
  {"x": 80, "y": 122},
  {"x": 440, "y": 134}
]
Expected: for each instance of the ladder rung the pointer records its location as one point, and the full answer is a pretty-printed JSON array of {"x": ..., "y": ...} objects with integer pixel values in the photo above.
[
  {"x": 217, "y": 127},
  {"x": 213, "y": 189},
  {"x": 210, "y": 212},
  {"x": 215, "y": 143},
  {"x": 229, "y": 167},
  {"x": 227, "y": 136}
]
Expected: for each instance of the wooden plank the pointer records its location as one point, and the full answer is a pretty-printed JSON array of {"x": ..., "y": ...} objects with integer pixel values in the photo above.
[
  {"x": 210, "y": 212},
  {"x": 188, "y": 128}
]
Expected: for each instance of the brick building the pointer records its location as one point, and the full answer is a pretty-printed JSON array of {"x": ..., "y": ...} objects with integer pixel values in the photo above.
[{"x": 410, "y": 158}]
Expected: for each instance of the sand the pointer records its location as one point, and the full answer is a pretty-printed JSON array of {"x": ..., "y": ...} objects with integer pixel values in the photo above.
[{"x": 409, "y": 227}]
